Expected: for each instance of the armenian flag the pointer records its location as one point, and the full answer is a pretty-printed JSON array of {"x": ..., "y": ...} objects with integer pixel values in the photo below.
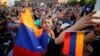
[
  {"x": 73, "y": 44},
  {"x": 30, "y": 41}
]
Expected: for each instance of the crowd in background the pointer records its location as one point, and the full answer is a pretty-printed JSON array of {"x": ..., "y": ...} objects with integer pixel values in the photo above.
[{"x": 63, "y": 16}]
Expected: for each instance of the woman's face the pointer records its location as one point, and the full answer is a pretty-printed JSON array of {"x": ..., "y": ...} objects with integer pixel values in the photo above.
[
  {"x": 59, "y": 23},
  {"x": 47, "y": 24}
]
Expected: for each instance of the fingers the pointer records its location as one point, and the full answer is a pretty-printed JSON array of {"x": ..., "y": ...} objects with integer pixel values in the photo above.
[
  {"x": 89, "y": 23},
  {"x": 94, "y": 17},
  {"x": 91, "y": 13},
  {"x": 96, "y": 20}
]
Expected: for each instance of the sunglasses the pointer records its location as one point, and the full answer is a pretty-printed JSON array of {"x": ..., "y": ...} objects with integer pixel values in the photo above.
[{"x": 59, "y": 24}]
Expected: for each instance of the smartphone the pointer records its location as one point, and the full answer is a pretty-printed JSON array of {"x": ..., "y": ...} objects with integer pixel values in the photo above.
[{"x": 97, "y": 9}]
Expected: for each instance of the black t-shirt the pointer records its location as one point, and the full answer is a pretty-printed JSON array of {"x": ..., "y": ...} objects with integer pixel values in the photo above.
[
  {"x": 53, "y": 49},
  {"x": 58, "y": 48}
]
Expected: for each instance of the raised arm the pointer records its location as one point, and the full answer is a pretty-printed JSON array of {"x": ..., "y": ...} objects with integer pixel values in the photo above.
[{"x": 79, "y": 25}]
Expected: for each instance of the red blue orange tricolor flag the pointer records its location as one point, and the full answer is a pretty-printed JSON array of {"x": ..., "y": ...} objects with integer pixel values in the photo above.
[
  {"x": 30, "y": 41},
  {"x": 73, "y": 44}
]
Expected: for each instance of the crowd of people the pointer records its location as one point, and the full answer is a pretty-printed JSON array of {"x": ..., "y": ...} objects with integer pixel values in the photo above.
[{"x": 59, "y": 18}]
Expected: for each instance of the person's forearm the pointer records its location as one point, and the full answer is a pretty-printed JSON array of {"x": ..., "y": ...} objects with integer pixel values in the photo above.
[
  {"x": 73, "y": 28},
  {"x": 60, "y": 38}
]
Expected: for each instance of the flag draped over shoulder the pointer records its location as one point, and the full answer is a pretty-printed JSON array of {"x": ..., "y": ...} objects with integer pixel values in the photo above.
[
  {"x": 73, "y": 44},
  {"x": 30, "y": 41}
]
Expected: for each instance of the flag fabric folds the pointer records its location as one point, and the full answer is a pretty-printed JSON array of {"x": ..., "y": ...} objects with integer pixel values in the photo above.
[
  {"x": 73, "y": 44},
  {"x": 30, "y": 41}
]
